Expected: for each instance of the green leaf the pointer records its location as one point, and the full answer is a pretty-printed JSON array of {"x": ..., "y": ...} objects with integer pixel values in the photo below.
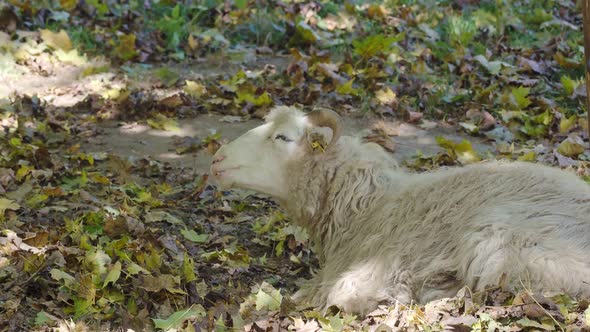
[
  {"x": 538, "y": 16},
  {"x": 347, "y": 89},
  {"x": 493, "y": 67},
  {"x": 241, "y": 4},
  {"x": 469, "y": 127},
  {"x": 7, "y": 204},
  {"x": 163, "y": 282},
  {"x": 521, "y": 97},
  {"x": 36, "y": 200},
  {"x": 174, "y": 29},
  {"x": 97, "y": 260},
  {"x": 160, "y": 215},
  {"x": 268, "y": 297},
  {"x": 101, "y": 6},
  {"x": 463, "y": 151},
  {"x": 461, "y": 30},
  {"x": 569, "y": 84},
  {"x": 305, "y": 34},
  {"x": 571, "y": 147},
  {"x": 71, "y": 184},
  {"x": 134, "y": 269},
  {"x": 162, "y": 122},
  {"x": 113, "y": 274},
  {"x": 194, "y": 89},
  {"x": 43, "y": 318},
  {"x": 176, "y": 320},
  {"x": 566, "y": 124},
  {"x": 167, "y": 76},
  {"x": 193, "y": 236},
  {"x": 375, "y": 45},
  {"x": 544, "y": 118},
  {"x": 263, "y": 100},
  {"x": 125, "y": 49},
  {"x": 529, "y": 156},
  {"x": 525, "y": 322},
  {"x": 533, "y": 129},
  {"x": 61, "y": 275},
  {"x": 188, "y": 268},
  {"x": 15, "y": 142}
]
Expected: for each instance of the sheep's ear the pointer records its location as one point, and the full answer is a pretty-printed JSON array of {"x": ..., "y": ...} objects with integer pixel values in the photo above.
[
  {"x": 318, "y": 138},
  {"x": 324, "y": 122}
]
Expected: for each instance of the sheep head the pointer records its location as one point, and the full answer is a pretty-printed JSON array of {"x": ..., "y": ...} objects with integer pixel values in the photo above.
[{"x": 258, "y": 159}]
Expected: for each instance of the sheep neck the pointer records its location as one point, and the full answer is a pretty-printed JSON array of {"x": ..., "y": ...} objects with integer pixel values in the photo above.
[{"x": 331, "y": 195}]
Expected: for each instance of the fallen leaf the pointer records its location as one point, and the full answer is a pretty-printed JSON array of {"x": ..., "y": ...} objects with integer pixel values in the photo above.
[
  {"x": 61, "y": 275},
  {"x": 414, "y": 117},
  {"x": 125, "y": 49},
  {"x": 571, "y": 147},
  {"x": 193, "y": 236},
  {"x": 177, "y": 319},
  {"x": 163, "y": 282},
  {"x": 566, "y": 124},
  {"x": 531, "y": 65},
  {"x": 194, "y": 89},
  {"x": 493, "y": 67},
  {"x": 43, "y": 318},
  {"x": 160, "y": 215},
  {"x": 134, "y": 269},
  {"x": 57, "y": 40},
  {"x": 385, "y": 96},
  {"x": 113, "y": 274},
  {"x": 172, "y": 101},
  {"x": 7, "y": 204},
  {"x": 162, "y": 122},
  {"x": 68, "y": 5},
  {"x": 268, "y": 297},
  {"x": 462, "y": 151}
]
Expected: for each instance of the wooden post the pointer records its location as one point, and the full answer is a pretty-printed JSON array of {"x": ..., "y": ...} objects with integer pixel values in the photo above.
[{"x": 586, "y": 10}]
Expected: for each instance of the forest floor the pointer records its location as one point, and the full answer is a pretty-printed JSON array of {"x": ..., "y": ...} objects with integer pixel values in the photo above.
[{"x": 110, "y": 116}]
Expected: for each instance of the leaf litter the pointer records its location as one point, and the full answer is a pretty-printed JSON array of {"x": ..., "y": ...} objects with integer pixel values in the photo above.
[{"x": 104, "y": 241}]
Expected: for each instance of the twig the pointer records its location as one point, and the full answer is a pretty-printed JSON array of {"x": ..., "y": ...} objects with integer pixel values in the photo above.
[{"x": 539, "y": 304}]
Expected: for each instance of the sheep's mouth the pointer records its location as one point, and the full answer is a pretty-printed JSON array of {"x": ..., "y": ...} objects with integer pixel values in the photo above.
[{"x": 220, "y": 172}]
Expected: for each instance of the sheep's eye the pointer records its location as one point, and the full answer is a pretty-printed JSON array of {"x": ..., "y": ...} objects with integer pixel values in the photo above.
[{"x": 283, "y": 138}]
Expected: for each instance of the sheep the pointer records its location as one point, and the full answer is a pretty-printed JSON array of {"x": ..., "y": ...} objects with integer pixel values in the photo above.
[{"x": 384, "y": 234}]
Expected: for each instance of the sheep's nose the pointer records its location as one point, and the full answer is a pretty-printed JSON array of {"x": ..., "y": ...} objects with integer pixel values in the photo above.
[{"x": 217, "y": 159}]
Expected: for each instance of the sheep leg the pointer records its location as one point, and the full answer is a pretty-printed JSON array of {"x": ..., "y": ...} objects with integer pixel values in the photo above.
[
  {"x": 312, "y": 292},
  {"x": 365, "y": 285}
]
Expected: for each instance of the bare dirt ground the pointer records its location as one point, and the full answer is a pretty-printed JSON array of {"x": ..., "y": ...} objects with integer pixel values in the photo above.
[
  {"x": 64, "y": 84},
  {"x": 140, "y": 140}
]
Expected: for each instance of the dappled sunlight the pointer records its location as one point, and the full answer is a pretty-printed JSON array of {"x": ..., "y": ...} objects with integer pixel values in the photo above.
[
  {"x": 185, "y": 130},
  {"x": 134, "y": 128},
  {"x": 426, "y": 140},
  {"x": 170, "y": 155},
  {"x": 140, "y": 140},
  {"x": 111, "y": 113},
  {"x": 34, "y": 64}
]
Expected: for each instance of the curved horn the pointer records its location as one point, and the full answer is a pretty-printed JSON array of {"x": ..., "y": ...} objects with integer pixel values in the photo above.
[{"x": 327, "y": 118}]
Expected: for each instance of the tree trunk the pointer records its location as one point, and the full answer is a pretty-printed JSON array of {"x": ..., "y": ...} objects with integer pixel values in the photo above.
[{"x": 586, "y": 10}]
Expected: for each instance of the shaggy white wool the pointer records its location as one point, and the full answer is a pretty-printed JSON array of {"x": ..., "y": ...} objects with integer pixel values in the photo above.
[{"x": 384, "y": 234}]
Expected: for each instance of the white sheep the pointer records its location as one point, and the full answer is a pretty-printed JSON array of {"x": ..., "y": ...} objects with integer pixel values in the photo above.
[{"x": 384, "y": 234}]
